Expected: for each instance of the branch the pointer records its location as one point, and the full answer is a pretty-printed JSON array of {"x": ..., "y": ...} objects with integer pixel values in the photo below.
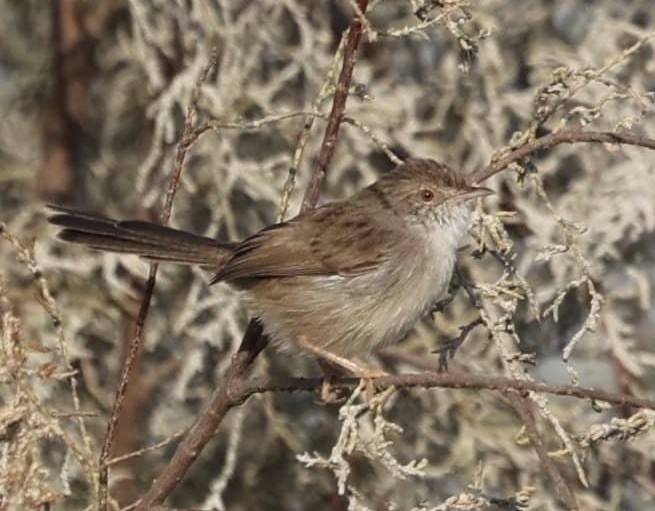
[
  {"x": 454, "y": 380},
  {"x": 562, "y": 490},
  {"x": 137, "y": 341},
  {"x": 226, "y": 395},
  {"x": 233, "y": 391},
  {"x": 128, "y": 367},
  {"x": 69, "y": 107},
  {"x": 554, "y": 139},
  {"x": 337, "y": 112}
]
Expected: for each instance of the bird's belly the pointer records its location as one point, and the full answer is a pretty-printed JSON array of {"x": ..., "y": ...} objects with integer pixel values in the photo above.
[{"x": 341, "y": 315}]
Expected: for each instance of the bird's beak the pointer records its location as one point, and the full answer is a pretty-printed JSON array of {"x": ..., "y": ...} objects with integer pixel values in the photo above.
[{"x": 473, "y": 192}]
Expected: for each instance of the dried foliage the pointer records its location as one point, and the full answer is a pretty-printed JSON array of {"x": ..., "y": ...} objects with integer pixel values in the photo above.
[{"x": 237, "y": 94}]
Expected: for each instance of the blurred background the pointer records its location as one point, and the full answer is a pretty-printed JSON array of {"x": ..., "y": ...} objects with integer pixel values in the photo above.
[{"x": 93, "y": 96}]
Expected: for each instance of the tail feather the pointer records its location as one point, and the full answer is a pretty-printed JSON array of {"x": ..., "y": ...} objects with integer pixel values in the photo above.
[{"x": 148, "y": 240}]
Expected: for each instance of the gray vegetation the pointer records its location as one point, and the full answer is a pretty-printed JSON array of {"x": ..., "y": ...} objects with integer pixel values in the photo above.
[{"x": 547, "y": 405}]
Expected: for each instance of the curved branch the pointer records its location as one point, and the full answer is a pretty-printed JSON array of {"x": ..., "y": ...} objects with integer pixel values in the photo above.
[
  {"x": 563, "y": 492},
  {"x": 554, "y": 139},
  {"x": 227, "y": 395}
]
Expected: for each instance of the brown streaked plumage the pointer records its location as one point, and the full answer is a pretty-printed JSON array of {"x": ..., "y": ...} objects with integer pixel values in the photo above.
[{"x": 347, "y": 277}]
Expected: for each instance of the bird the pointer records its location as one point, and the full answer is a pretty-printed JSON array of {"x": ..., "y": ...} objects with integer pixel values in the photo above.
[{"x": 338, "y": 281}]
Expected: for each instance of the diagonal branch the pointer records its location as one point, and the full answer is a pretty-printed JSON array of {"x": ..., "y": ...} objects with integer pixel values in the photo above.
[
  {"x": 555, "y": 139},
  {"x": 562, "y": 490},
  {"x": 137, "y": 340},
  {"x": 338, "y": 110},
  {"x": 225, "y": 397}
]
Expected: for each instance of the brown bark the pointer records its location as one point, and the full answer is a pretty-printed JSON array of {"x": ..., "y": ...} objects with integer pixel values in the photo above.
[{"x": 68, "y": 106}]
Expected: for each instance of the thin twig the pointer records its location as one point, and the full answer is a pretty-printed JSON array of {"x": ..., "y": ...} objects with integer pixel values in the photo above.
[
  {"x": 447, "y": 349},
  {"x": 303, "y": 136},
  {"x": 225, "y": 396},
  {"x": 562, "y": 490},
  {"x": 137, "y": 340},
  {"x": 188, "y": 137},
  {"x": 451, "y": 380},
  {"x": 554, "y": 139},
  {"x": 337, "y": 113},
  {"x": 148, "y": 449}
]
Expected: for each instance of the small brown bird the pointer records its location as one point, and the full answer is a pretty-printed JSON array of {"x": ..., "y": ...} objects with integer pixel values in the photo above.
[{"x": 339, "y": 280}]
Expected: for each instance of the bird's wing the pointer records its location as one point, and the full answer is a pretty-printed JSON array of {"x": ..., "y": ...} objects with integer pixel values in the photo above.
[{"x": 331, "y": 240}]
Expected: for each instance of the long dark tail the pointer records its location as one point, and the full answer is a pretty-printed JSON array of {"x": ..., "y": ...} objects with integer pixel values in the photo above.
[{"x": 145, "y": 239}]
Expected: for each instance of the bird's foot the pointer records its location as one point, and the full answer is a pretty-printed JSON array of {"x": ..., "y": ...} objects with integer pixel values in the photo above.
[{"x": 334, "y": 365}]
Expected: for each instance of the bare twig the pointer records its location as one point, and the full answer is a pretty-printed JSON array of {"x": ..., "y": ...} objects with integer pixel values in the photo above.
[
  {"x": 562, "y": 490},
  {"x": 338, "y": 111},
  {"x": 135, "y": 346},
  {"x": 554, "y": 139},
  {"x": 225, "y": 397},
  {"x": 447, "y": 350},
  {"x": 303, "y": 136},
  {"x": 451, "y": 380},
  {"x": 188, "y": 137},
  {"x": 145, "y": 450}
]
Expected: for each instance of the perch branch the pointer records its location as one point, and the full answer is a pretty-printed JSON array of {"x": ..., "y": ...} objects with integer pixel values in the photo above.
[
  {"x": 225, "y": 396},
  {"x": 452, "y": 380},
  {"x": 233, "y": 391}
]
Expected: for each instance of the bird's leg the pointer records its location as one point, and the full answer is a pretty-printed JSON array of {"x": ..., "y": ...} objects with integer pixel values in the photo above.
[
  {"x": 333, "y": 365},
  {"x": 339, "y": 361},
  {"x": 330, "y": 372},
  {"x": 447, "y": 350},
  {"x": 458, "y": 281},
  {"x": 453, "y": 288}
]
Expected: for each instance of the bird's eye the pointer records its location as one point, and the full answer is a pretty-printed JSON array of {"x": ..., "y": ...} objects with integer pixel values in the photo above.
[{"x": 427, "y": 195}]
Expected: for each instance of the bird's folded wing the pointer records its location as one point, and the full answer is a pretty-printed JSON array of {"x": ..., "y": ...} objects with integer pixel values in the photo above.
[{"x": 325, "y": 241}]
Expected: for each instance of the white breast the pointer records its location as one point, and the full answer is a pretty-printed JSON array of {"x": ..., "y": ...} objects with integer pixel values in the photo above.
[{"x": 351, "y": 315}]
